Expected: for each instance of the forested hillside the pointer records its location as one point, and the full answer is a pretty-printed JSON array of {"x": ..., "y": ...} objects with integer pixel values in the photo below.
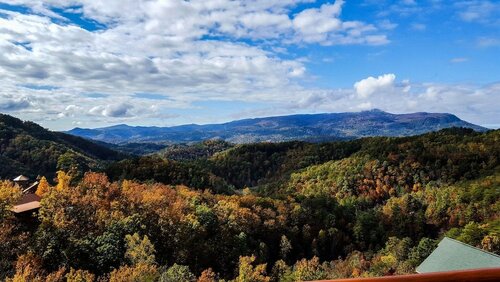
[
  {"x": 29, "y": 149},
  {"x": 436, "y": 158},
  {"x": 263, "y": 212},
  {"x": 184, "y": 152}
]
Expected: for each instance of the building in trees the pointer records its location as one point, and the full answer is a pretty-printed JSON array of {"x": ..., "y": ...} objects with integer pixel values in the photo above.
[
  {"x": 25, "y": 185},
  {"x": 22, "y": 181},
  {"x": 29, "y": 201},
  {"x": 454, "y": 255}
]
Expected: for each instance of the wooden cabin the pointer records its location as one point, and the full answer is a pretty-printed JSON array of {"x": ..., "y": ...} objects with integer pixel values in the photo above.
[
  {"x": 22, "y": 181},
  {"x": 29, "y": 202}
]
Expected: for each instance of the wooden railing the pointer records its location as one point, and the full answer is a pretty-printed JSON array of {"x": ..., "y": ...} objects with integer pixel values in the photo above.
[{"x": 481, "y": 275}]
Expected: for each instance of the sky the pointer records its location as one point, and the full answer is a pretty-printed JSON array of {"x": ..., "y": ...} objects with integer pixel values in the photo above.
[{"x": 94, "y": 63}]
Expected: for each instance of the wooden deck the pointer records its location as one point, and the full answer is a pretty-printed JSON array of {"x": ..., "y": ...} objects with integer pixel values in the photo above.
[{"x": 481, "y": 275}]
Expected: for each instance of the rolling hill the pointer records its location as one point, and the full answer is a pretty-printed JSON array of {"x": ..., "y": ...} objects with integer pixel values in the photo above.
[
  {"x": 306, "y": 127},
  {"x": 27, "y": 148}
]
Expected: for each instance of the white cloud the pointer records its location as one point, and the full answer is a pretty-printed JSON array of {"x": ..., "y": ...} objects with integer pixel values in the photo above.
[
  {"x": 187, "y": 51},
  {"x": 405, "y": 8},
  {"x": 192, "y": 51},
  {"x": 315, "y": 24},
  {"x": 475, "y": 103},
  {"x": 179, "y": 21},
  {"x": 323, "y": 25},
  {"x": 459, "y": 60},
  {"x": 71, "y": 108},
  {"x": 478, "y": 104},
  {"x": 120, "y": 110},
  {"x": 70, "y": 111},
  {"x": 14, "y": 104},
  {"x": 479, "y": 11},
  {"x": 364, "y": 106},
  {"x": 113, "y": 110},
  {"x": 486, "y": 42},
  {"x": 260, "y": 19},
  {"x": 387, "y": 24},
  {"x": 418, "y": 26},
  {"x": 73, "y": 58},
  {"x": 368, "y": 86}
]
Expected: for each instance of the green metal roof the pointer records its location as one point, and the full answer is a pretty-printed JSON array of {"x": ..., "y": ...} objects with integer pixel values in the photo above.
[{"x": 455, "y": 255}]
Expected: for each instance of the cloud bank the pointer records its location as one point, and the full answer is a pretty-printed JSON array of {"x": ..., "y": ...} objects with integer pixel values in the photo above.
[{"x": 95, "y": 62}]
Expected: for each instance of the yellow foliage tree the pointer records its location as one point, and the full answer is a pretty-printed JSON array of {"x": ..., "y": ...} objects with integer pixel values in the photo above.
[
  {"x": 308, "y": 270},
  {"x": 9, "y": 194},
  {"x": 63, "y": 180},
  {"x": 57, "y": 276},
  {"x": 491, "y": 243},
  {"x": 79, "y": 276},
  {"x": 139, "y": 251},
  {"x": 140, "y": 272},
  {"x": 43, "y": 187},
  {"x": 28, "y": 268},
  {"x": 249, "y": 273}
]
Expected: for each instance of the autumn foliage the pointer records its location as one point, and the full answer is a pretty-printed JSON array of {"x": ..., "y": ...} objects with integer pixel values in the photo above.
[{"x": 377, "y": 208}]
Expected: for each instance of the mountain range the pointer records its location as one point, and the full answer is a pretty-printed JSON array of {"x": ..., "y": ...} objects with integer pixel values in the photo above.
[{"x": 306, "y": 127}]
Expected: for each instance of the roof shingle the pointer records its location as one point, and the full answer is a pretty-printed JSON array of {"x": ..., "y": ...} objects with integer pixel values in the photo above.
[{"x": 455, "y": 255}]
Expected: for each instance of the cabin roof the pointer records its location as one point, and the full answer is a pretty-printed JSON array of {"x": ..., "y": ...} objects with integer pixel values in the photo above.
[
  {"x": 26, "y": 203},
  {"x": 455, "y": 255},
  {"x": 27, "y": 198},
  {"x": 21, "y": 178},
  {"x": 34, "y": 185}
]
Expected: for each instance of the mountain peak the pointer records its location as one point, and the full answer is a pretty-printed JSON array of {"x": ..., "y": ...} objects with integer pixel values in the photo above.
[{"x": 375, "y": 110}]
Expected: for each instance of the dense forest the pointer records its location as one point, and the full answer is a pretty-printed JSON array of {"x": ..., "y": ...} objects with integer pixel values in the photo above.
[
  {"x": 29, "y": 149},
  {"x": 259, "y": 212}
]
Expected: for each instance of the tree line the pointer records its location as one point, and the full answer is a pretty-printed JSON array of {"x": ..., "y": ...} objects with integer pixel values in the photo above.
[{"x": 260, "y": 212}]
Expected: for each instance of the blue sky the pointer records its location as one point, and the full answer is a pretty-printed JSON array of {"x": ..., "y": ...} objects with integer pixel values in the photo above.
[{"x": 92, "y": 63}]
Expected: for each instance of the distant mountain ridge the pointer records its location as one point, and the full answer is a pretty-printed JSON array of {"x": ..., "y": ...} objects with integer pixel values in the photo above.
[{"x": 307, "y": 127}]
